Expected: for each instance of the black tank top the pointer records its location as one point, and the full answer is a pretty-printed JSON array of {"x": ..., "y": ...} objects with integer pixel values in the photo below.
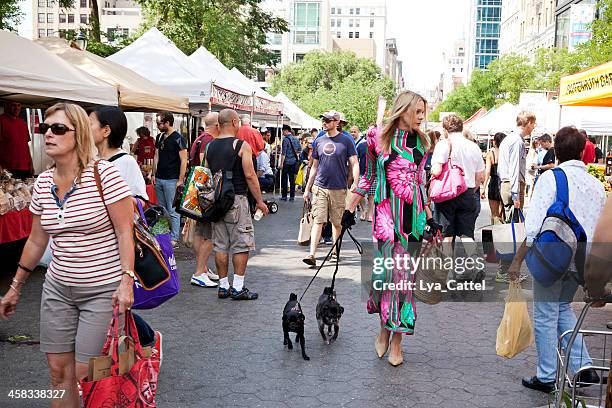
[
  {"x": 494, "y": 165},
  {"x": 220, "y": 156}
]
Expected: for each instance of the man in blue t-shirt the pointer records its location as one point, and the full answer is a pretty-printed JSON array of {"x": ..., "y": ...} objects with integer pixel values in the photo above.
[{"x": 328, "y": 179}]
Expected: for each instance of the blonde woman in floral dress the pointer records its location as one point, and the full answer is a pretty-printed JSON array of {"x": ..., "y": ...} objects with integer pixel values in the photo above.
[{"x": 396, "y": 158}]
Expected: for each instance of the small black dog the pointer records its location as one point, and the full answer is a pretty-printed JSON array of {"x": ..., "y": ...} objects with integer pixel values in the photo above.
[
  {"x": 293, "y": 321},
  {"x": 329, "y": 313}
]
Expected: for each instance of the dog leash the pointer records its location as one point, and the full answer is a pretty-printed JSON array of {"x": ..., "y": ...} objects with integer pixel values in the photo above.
[{"x": 337, "y": 245}]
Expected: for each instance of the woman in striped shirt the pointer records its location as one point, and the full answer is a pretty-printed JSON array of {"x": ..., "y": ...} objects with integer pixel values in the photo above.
[{"x": 91, "y": 269}]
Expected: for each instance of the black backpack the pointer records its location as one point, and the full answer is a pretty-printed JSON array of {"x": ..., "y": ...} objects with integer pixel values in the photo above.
[{"x": 214, "y": 210}]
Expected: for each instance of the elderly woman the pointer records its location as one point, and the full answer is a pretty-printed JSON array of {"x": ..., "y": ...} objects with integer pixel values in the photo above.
[
  {"x": 552, "y": 311},
  {"x": 396, "y": 158},
  {"x": 91, "y": 270}
]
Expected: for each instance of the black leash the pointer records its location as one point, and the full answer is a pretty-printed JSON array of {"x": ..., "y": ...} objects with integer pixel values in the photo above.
[{"x": 337, "y": 245}]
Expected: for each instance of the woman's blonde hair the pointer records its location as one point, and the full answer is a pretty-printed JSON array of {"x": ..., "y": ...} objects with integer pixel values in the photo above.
[
  {"x": 85, "y": 146},
  {"x": 406, "y": 100}
]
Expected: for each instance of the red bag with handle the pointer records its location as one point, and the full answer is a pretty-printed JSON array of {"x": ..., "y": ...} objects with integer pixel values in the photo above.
[{"x": 137, "y": 387}]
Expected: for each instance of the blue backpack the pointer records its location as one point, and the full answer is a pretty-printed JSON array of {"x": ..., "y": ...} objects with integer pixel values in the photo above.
[{"x": 560, "y": 242}]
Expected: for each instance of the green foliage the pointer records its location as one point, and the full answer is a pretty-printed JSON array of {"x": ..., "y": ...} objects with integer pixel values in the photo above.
[
  {"x": 233, "y": 30},
  {"x": 599, "y": 49},
  {"x": 335, "y": 80},
  {"x": 10, "y": 14},
  {"x": 108, "y": 45}
]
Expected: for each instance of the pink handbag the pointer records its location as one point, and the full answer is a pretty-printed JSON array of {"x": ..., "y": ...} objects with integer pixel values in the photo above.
[{"x": 449, "y": 184}]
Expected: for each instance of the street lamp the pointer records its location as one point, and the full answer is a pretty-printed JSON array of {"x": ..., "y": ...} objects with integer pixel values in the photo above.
[{"x": 81, "y": 41}]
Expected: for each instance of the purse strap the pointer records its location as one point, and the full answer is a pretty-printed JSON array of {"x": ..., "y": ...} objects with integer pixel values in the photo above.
[{"x": 99, "y": 186}]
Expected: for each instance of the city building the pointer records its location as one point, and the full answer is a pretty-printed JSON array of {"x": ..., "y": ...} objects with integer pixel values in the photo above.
[
  {"x": 526, "y": 26},
  {"x": 482, "y": 43},
  {"x": 117, "y": 17},
  {"x": 454, "y": 68},
  {"x": 572, "y": 19}
]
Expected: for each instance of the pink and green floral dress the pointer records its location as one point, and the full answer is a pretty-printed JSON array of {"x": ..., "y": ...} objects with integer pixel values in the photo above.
[{"x": 399, "y": 220}]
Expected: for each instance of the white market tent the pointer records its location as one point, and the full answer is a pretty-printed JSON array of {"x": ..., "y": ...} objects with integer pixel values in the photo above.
[
  {"x": 36, "y": 77},
  {"x": 298, "y": 117},
  {"x": 135, "y": 91},
  {"x": 218, "y": 72},
  {"x": 500, "y": 119}
]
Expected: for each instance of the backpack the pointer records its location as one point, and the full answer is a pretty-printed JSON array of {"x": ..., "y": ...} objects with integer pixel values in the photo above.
[
  {"x": 215, "y": 206},
  {"x": 560, "y": 242}
]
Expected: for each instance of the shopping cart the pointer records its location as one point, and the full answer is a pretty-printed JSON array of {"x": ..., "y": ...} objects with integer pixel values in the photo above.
[{"x": 566, "y": 394}]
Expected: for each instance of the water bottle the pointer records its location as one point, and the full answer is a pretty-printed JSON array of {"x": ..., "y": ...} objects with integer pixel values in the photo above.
[{"x": 258, "y": 215}]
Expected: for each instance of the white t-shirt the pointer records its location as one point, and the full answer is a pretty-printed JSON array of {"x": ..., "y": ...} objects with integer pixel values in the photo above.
[
  {"x": 84, "y": 245},
  {"x": 465, "y": 154},
  {"x": 130, "y": 172}
]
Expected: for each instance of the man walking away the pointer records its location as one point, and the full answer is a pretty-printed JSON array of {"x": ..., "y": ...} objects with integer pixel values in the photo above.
[
  {"x": 289, "y": 163},
  {"x": 234, "y": 232},
  {"x": 328, "y": 179},
  {"x": 170, "y": 168},
  {"x": 202, "y": 239},
  {"x": 250, "y": 135}
]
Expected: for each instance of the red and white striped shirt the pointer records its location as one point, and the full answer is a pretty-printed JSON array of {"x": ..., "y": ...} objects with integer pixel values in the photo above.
[{"x": 84, "y": 246}]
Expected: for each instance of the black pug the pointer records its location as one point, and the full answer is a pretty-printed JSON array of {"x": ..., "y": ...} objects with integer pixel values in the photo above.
[
  {"x": 293, "y": 321},
  {"x": 329, "y": 313}
]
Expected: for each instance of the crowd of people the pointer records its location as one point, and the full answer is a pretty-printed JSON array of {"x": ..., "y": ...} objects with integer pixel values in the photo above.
[{"x": 384, "y": 172}]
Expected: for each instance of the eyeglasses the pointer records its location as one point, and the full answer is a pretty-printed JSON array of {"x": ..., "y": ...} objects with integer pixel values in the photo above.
[
  {"x": 326, "y": 120},
  {"x": 56, "y": 128}
]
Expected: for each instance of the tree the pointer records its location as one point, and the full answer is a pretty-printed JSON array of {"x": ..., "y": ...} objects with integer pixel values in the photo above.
[
  {"x": 233, "y": 30},
  {"x": 335, "y": 80},
  {"x": 10, "y": 15}
]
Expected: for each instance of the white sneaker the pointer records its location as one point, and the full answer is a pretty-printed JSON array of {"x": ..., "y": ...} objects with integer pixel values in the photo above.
[
  {"x": 203, "y": 281},
  {"x": 213, "y": 276}
]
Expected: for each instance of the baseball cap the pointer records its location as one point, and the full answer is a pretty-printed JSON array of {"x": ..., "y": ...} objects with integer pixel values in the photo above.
[{"x": 331, "y": 115}]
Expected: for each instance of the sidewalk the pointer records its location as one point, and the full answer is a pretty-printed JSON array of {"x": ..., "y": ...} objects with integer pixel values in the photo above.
[{"x": 220, "y": 353}]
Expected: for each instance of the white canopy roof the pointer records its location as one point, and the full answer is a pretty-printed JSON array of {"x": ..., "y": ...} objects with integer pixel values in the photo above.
[
  {"x": 135, "y": 91},
  {"x": 500, "y": 119},
  {"x": 216, "y": 71},
  {"x": 156, "y": 58},
  {"x": 34, "y": 76},
  {"x": 594, "y": 119},
  {"x": 298, "y": 117}
]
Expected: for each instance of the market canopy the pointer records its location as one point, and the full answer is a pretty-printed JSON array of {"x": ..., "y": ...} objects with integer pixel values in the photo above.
[
  {"x": 297, "y": 116},
  {"x": 36, "y": 77},
  {"x": 592, "y": 87},
  {"x": 500, "y": 119},
  {"x": 135, "y": 91},
  {"x": 477, "y": 115}
]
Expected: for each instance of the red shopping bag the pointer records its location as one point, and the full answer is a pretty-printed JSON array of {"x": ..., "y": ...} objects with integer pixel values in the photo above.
[{"x": 134, "y": 389}]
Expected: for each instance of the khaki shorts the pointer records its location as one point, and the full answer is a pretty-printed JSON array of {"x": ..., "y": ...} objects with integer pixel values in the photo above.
[
  {"x": 506, "y": 194},
  {"x": 204, "y": 229},
  {"x": 328, "y": 204},
  {"x": 75, "y": 319},
  {"x": 234, "y": 233}
]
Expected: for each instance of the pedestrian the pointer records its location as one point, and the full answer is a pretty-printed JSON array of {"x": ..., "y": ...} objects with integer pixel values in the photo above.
[
  {"x": 588, "y": 156},
  {"x": 458, "y": 215},
  {"x": 109, "y": 128},
  {"x": 14, "y": 137},
  {"x": 170, "y": 168},
  {"x": 144, "y": 148},
  {"x": 491, "y": 181},
  {"x": 548, "y": 155},
  {"x": 552, "y": 311},
  {"x": 402, "y": 148},
  {"x": 251, "y": 136},
  {"x": 289, "y": 163},
  {"x": 531, "y": 162},
  {"x": 92, "y": 263},
  {"x": 328, "y": 179},
  {"x": 370, "y": 139},
  {"x": 361, "y": 145},
  {"x": 233, "y": 234},
  {"x": 202, "y": 236}
]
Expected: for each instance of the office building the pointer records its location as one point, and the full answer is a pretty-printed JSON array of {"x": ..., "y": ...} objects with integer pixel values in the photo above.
[
  {"x": 454, "y": 68},
  {"x": 482, "y": 45},
  {"x": 526, "y": 26},
  {"x": 572, "y": 19}
]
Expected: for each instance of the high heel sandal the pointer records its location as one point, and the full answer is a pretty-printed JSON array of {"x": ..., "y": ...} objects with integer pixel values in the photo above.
[
  {"x": 381, "y": 349},
  {"x": 396, "y": 360}
]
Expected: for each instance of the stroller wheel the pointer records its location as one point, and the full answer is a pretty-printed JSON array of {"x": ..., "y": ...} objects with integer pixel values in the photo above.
[{"x": 273, "y": 208}]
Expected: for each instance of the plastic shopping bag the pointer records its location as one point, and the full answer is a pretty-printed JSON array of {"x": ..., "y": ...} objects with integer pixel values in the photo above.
[
  {"x": 299, "y": 178},
  {"x": 515, "y": 332}
]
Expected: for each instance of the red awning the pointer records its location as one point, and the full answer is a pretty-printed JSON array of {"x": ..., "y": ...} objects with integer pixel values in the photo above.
[{"x": 479, "y": 113}]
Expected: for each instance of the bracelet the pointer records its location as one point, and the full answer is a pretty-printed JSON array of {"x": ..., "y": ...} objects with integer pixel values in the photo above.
[
  {"x": 17, "y": 281},
  {"x": 28, "y": 270},
  {"x": 15, "y": 289}
]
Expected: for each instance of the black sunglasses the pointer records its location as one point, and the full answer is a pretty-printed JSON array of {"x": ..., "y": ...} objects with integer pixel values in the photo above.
[
  {"x": 56, "y": 128},
  {"x": 325, "y": 120}
]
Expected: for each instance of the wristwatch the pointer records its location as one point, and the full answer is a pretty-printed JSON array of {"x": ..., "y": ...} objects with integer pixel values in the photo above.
[{"x": 129, "y": 273}]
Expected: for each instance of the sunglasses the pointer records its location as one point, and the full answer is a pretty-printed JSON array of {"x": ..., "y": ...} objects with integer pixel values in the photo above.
[
  {"x": 56, "y": 128},
  {"x": 325, "y": 120}
]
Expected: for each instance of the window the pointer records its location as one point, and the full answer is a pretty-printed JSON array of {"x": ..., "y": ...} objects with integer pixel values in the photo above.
[
  {"x": 84, "y": 4},
  {"x": 50, "y": 32},
  {"x": 274, "y": 39},
  {"x": 41, "y": 18},
  {"x": 351, "y": 22},
  {"x": 49, "y": 17},
  {"x": 70, "y": 18},
  {"x": 371, "y": 34},
  {"x": 339, "y": 11},
  {"x": 338, "y": 34},
  {"x": 306, "y": 37},
  {"x": 338, "y": 23},
  {"x": 351, "y": 11},
  {"x": 372, "y": 23},
  {"x": 62, "y": 18},
  {"x": 41, "y": 3},
  {"x": 50, "y": 3},
  {"x": 83, "y": 18},
  {"x": 333, "y": 10},
  {"x": 41, "y": 33},
  {"x": 357, "y": 11},
  {"x": 113, "y": 32},
  {"x": 489, "y": 14},
  {"x": 357, "y": 22},
  {"x": 276, "y": 57},
  {"x": 356, "y": 34},
  {"x": 350, "y": 34},
  {"x": 453, "y": 70},
  {"x": 298, "y": 57},
  {"x": 333, "y": 22}
]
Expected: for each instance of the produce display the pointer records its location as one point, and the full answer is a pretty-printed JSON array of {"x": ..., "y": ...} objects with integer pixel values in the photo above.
[
  {"x": 14, "y": 194},
  {"x": 599, "y": 172}
]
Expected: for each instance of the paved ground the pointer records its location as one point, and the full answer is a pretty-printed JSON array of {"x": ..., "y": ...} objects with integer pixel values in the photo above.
[{"x": 219, "y": 353}]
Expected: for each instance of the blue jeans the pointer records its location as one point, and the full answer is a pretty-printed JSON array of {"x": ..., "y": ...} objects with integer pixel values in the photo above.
[
  {"x": 146, "y": 335},
  {"x": 165, "y": 191},
  {"x": 288, "y": 179},
  {"x": 550, "y": 319}
]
